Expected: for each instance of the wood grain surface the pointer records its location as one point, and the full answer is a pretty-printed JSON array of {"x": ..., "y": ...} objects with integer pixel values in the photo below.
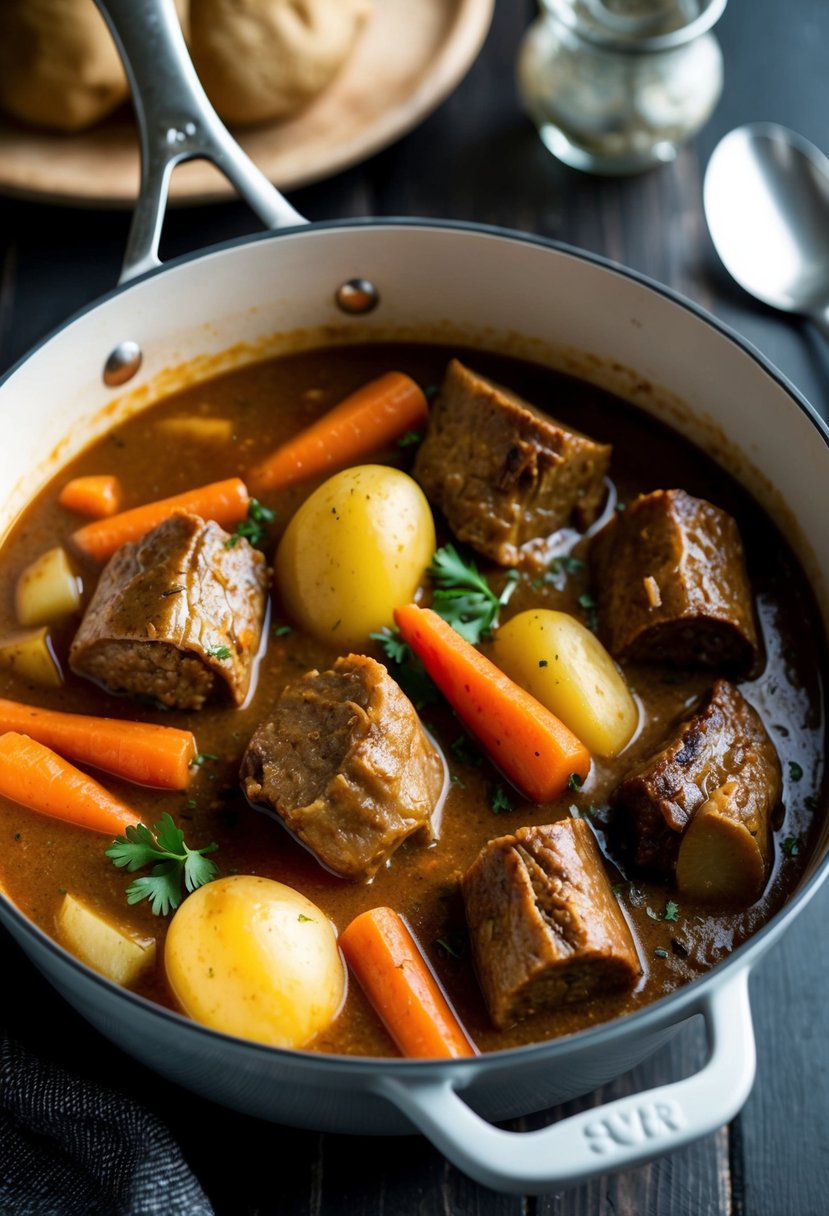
[{"x": 478, "y": 158}]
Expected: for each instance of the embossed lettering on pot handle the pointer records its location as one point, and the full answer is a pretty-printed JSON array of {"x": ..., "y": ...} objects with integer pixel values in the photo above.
[
  {"x": 176, "y": 122},
  {"x": 616, "y": 1136}
]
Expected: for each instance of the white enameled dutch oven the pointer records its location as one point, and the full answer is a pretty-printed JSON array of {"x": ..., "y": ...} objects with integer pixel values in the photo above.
[{"x": 453, "y": 282}]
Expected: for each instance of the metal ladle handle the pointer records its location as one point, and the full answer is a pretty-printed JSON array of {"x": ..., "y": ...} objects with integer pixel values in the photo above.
[{"x": 176, "y": 122}]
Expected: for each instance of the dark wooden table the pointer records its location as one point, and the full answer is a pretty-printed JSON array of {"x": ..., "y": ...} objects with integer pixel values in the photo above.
[{"x": 478, "y": 158}]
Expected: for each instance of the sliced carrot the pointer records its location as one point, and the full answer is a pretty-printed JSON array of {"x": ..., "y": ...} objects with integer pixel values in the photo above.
[
  {"x": 43, "y": 781},
  {"x": 226, "y": 502},
  {"x": 98, "y": 496},
  {"x": 398, "y": 982},
  {"x": 530, "y": 745},
  {"x": 159, "y": 756},
  {"x": 376, "y": 414}
]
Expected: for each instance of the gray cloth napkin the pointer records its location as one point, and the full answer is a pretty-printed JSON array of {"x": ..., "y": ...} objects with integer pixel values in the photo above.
[{"x": 69, "y": 1147}]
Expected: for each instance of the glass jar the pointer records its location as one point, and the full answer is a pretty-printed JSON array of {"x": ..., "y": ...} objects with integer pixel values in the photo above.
[{"x": 615, "y": 86}]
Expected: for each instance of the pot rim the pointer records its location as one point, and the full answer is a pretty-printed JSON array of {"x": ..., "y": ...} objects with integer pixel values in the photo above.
[{"x": 669, "y": 1009}]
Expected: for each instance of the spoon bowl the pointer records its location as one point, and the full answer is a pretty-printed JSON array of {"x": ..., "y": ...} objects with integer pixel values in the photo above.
[{"x": 766, "y": 200}]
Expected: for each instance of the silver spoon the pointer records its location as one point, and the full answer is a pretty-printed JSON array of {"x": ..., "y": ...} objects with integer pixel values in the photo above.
[{"x": 766, "y": 199}]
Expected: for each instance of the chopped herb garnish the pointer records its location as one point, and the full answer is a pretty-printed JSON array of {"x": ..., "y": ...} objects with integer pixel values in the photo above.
[
  {"x": 191, "y": 804},
  {"x": 457, "y": 781},
  {"x": 616, "y": 889},
  {"x": 795, "y": 771},
  {"x": 671, "y": 910},
  {"x": 202, "y": 758},
  {"x": 462, "y": 596},
  {"x": 282, "y": 631},
  {"x": 620, "y": 506},
  {"x": 410, "y": 439},
  {"x": 542, "y": 663},
  {"x": 255, "y": 528},
  {"x": 302, "y": 918},
  {"x": 451, "y": 944},
  {"x": 810, "y": 803},
  {"x": 172, "y": 860},
  {"x": 464, "y": 750},
  {"x": 587, "y": 602},
  {"x": 499, "y": 800},
  {"x": 660, "y": 952},
  {"x": 575, "y": 782},
  {"x": 791, "y": 846},
  {"x": 219, "y": 652},
  {"x": 409, "y": 670}
]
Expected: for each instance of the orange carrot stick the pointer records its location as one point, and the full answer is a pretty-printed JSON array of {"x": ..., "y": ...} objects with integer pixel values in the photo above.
[
  {"x": 98, "y": 496},
  {"x": 374, "y": 415},
  {"x": 531, "y": 746},
  {"x": 159, "y": 756},
  {"x": 226, "y": 502},
  {"x": 39, "y": 779},
  {"x": 397, "y": 980}
]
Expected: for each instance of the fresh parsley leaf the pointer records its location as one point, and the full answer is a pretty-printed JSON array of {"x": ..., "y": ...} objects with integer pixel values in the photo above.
[
  {"x": 500, "y": 800},
  {"x": 462, "y": 596},
  {"x": 795, "y": 771},
  {"x": 255, "y": 528},
  {"x": 173, "y": 862},
  {"x": 410, "y": 439},
  {"x": 408, "y": 669},
  {"x": 660, "y": 952},
  {"x": 791, "y": 846},
  {"x": 575, "y": 782},
  {"x": 671, "y": 910},
  {"x": 282, "y": 631},
  {"x": 219, "y": 652}
]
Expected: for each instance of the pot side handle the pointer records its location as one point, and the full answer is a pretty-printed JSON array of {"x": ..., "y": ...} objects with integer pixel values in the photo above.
[
  {"x": 176, "y": 122},
  {"x": 627, "y": 1132}
]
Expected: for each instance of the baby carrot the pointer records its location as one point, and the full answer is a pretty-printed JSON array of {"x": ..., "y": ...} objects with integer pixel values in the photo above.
[
  {"x": 153, "y": 755},
  {"x": 39, "y": 779},
  {"x": 531, "y": 746},
  {"x": 374, "y": 415},
  {"x": 226, "y": 502},
  {"x": 98, "y": 496},
  {"x": 396, "y": 978}
]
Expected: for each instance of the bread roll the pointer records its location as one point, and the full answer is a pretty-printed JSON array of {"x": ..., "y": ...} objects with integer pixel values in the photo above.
[
  {"x": 58, "y": 64},
  {"x": 261, "y": 60}
]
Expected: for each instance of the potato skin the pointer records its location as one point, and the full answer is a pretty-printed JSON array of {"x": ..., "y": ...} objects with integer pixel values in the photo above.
[
  {"x": 252, "y": 957},
  {"x": 353, "y": 552},
  {"x": 566, "y": 668}
]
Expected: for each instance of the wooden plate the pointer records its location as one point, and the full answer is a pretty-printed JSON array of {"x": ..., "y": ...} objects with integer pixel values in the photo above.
[{"x": 410, "y": 56}]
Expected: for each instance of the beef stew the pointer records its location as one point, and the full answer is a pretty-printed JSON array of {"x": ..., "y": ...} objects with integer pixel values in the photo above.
[{"x": 677, "y": 937}]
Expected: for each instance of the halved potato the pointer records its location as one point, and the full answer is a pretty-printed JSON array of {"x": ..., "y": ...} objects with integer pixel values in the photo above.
[
  {"x": 47, "y": 589},
  {"x": 30, "y": 654},
  {"x": 116, "y": 952},
  {"x": 564, "y": 666}
]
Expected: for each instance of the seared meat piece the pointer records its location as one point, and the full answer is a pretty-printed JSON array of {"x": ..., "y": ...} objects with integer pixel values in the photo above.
[
  {"x": 174, "y": 612},
  {"x": 671, "y": 584},
  {"x": 503, "y": 472},
  {"x": 545, "y": 926},
  {"x": 720, "y": 766},
  {"x": 347, "y": 766}
]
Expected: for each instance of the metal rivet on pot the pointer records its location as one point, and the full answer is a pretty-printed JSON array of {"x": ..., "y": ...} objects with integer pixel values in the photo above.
[
  {"x": 122, "y": 364},
  {"x": 357, "y": 296}
]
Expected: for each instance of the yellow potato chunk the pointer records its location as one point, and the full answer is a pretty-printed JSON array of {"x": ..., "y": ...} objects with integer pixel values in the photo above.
[
  {"x": 47, "y": 589},
  {"x": 197, "y": 429},
  {"x": 353, "y": 552},
  {"x": 30, "y": 655},
  {"x": 721, "y": 859},
  {"x": 255, "y": 958},
  {"x": 116, "y": 952},
  {"x": 564, "y": 666}
]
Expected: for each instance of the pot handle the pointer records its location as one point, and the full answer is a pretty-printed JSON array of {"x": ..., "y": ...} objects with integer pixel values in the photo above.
[
  {"x": 616, "y": 1136},
  {"x": 176, "y": 122}
]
